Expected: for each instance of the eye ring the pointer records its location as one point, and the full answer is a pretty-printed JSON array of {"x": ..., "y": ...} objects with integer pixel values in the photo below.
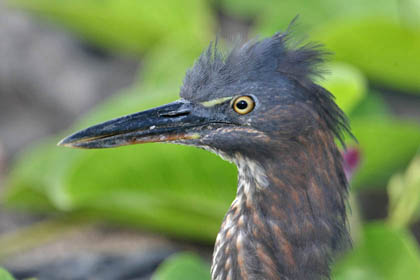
[{"x": 243, "y": 104}]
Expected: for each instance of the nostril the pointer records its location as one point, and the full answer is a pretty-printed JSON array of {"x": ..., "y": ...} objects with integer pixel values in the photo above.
[{"x": 174, "y": 114}]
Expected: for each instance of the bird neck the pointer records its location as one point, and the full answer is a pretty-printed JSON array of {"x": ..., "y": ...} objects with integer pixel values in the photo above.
[{"x": 288, "y": 217}]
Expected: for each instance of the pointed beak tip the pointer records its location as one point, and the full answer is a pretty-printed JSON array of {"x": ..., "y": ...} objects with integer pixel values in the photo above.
[
  {"x": 67, "y": 142},
  {"x": 64, "y": 143},
  {"x": 73, "y": 145}
]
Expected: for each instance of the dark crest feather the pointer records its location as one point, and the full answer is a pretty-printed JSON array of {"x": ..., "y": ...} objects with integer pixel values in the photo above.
[{"x": 268, "y": 61}]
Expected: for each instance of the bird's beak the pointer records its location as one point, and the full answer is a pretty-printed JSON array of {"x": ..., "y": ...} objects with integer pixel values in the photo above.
[{"x": 175, "y": 121}]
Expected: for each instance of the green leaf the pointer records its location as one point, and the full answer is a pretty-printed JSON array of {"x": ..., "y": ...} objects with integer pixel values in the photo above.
[
  {"x": 362, "y": 42},
  {"x": 183, "y": 266},
  {"x": 372, "y": 106},
  {"x": 129, "y": 25},
  {"x": 404, "y": 195},
  {"x": 386, "y": 146},
  {"x": 272, "y": 15},
  {"x": 384, "y": 253},
  {"x": 36, "y": 178},
  {"x": 26, "y": 198},
  {"x": 410, "y": 11},
  {"x": 4, "y": 275},
  {"x": 347, "y": 84}
]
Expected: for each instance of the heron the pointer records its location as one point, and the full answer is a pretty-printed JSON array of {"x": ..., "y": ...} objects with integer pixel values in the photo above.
[{"x": 260, "y": 107}]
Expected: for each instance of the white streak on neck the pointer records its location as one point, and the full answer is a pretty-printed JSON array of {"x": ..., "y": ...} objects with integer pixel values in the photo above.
[{"x": 250, "y": 170}]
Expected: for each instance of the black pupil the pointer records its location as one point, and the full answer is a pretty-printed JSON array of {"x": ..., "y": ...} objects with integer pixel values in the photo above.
[{"x": 241, "y": 105}]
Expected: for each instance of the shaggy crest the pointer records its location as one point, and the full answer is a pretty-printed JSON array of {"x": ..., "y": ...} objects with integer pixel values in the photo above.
[{"x": 267, "y": 62}]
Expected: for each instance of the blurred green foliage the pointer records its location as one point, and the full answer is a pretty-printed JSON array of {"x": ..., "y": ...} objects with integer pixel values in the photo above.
[
  {"x": 383, "y": 253},
  {"x": 375, "y": 46},
  {"x": 404, "y": 196},
  {"x": 386, "y": 146},
  {"x": 127, "y": 25},
  {"x": 183, "y": 266},
  {"x": 185, "y": 192},
  {"x": 4, "y": 275}
]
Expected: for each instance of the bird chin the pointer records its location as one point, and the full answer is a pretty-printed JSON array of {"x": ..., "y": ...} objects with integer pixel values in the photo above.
[{"x": 208, "y": 148}]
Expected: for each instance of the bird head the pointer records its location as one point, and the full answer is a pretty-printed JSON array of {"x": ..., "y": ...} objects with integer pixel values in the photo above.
[{"x": 256, "y": 99}]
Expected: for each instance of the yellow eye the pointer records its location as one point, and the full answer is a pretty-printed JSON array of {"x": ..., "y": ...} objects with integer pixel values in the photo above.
[{"x": 243, "y": 105}]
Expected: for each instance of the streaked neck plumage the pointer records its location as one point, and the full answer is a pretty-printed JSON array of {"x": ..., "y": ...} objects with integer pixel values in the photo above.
[{"x": 289, "y": 214}]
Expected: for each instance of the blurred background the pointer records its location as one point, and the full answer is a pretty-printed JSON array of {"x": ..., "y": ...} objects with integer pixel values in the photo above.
[{"x": 153, "y": 211}]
